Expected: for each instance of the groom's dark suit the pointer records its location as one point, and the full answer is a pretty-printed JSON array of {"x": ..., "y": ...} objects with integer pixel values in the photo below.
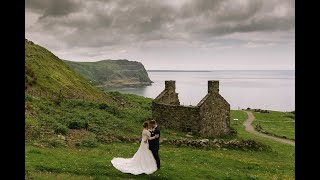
[{"x": 154, "y": 145}]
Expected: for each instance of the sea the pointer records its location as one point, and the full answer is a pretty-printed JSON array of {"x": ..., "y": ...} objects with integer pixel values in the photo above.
[{"x": 255, "y": 89}]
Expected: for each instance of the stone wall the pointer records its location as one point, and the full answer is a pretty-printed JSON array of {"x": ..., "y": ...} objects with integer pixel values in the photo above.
[
  {"x": 215, "y": 116},
  {"x": 183, "y": 118},
  {"x": 168, "y": 95},
  {"x": 214, "y": 112},
  {"x": 210, "y": 118}
]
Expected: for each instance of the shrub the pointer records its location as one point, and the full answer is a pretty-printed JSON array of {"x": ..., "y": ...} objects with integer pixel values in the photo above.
[
  {"x": 114, "y": 110},
  {"x": 28, "y": 98},
  {"x": 30, "y": 78},
  {"x": 32, "y": 128},
  {"x": 57, "y": 101},
  {"x": 78, "y": 124},
  {"x": 60, "y": 129},
  {"x": 89, "y": 141},
  {"x": 103, "y": 106},
  {"x": 54, "y": 142}
]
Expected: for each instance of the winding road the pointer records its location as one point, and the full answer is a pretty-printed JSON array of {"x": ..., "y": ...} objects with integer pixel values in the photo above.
[{"x": 250, "y": 129}]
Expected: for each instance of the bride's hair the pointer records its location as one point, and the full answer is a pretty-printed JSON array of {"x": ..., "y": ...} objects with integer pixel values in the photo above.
[
  {"x": 153, "y": 122},
  {"x": 145, "y": 124}
]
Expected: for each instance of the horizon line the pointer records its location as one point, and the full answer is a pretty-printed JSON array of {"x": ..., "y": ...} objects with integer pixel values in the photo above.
[{"x": 209, "y": 70}]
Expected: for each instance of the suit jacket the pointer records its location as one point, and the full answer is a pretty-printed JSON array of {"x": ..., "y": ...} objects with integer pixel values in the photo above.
[{"x": 154, "y": 143}]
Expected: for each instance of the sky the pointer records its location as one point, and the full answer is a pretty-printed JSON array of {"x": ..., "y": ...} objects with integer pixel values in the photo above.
[{"x": 168, "y": 34}]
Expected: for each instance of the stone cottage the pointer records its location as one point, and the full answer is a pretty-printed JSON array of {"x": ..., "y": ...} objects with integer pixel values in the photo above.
[{"x": 209, "y": 118}]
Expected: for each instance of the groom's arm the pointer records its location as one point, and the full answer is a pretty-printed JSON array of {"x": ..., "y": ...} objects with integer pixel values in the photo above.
[{"x": 157, "y": 133}]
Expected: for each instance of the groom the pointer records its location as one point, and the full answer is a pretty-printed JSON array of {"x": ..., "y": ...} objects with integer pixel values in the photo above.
[{"x": 154, "y": 143}]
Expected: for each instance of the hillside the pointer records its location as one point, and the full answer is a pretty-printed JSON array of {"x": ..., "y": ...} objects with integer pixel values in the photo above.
[
  {"x": 46, "y": 73},
  {"x": 84, "y": 105},
  {"x": 112, "y": 73}
]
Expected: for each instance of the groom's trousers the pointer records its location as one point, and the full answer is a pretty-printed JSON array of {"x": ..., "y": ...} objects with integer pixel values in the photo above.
[{"x": 156, "y": 157}]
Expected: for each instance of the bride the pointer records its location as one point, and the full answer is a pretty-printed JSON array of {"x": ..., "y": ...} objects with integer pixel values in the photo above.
[{"x": 142, "y": 161}]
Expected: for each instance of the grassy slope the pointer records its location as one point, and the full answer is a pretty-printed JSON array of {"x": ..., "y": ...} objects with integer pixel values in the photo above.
[
  {"x": 279, "y": 123},
  {"x": 177, "y": 163},
  {"x": 112, "y": 72},
  {"x": 46, "y": 72},
  {"x": 103, "y": 120}
]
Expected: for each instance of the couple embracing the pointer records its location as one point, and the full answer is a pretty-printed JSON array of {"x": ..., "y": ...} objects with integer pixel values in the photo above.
[{"x": 146, "y": 159}]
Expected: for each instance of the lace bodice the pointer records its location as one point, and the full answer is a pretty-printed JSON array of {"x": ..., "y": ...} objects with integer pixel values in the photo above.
[{"x": 145, "y": 134}]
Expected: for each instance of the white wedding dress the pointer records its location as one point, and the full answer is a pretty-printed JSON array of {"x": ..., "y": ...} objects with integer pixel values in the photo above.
[{"x": 142, "y": 161}]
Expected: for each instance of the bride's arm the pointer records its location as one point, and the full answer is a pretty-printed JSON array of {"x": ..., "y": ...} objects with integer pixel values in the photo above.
[{"x": 150, "y": 138}]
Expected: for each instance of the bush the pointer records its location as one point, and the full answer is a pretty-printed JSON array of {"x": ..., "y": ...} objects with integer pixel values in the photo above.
[
  {"x": 60, "y": 129},
  {"x": 28, "y": 98},
  {"x": 57, "y": 101},
  {"x": 30, "y": 78},
  {"x": 32, "y": 128},
  {"x": 31, "y": 122},
  {"x": 54, "y": 142},
  {"x": 77, "y": 124},
  {"x": 114, "y": 111},
  {"x": 89, "y": 141},
  {"x": 103, "y": 106}
]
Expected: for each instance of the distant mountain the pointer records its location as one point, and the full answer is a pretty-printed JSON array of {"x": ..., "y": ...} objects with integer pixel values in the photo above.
[
  {"x": 112, "y": 73},
  {"x": 47, "y": 73}
]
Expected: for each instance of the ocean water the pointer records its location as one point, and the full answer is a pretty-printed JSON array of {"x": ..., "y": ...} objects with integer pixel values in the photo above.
[{"x": 272, "y": 90}]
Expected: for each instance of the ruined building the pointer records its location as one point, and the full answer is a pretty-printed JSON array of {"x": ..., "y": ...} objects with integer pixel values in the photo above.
[{"x": 209, "y": 118}]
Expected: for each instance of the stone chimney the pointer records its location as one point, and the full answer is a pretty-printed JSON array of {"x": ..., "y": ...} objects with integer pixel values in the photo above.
[
  {"x": 170, "y": 85},
  {"x": 213, "y": 86}
]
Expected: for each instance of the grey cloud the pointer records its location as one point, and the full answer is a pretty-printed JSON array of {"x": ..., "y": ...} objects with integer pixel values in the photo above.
[
  {"x": 54, "y": 7},
  {"x": 107, "y": 23},
  {"x": 226, "y": 17}
]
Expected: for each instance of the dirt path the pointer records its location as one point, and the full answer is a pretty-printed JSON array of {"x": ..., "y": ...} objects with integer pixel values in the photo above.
[{"x": 250, "y": 129}]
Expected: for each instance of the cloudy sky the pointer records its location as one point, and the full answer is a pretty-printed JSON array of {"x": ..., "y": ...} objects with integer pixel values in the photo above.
[{"x": 168, "y": 34}]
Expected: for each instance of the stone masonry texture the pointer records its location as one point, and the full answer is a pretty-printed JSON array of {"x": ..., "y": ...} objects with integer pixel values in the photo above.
[{"x": 210, "y": 118}]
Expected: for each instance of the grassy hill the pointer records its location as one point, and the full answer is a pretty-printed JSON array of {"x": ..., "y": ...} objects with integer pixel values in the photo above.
[
  {"x": 47, "y": 73},
  {"x": 112, "y": 73},
  {"x": 96, "y": 111}
]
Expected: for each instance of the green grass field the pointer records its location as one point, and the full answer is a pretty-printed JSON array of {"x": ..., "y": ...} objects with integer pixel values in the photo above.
[
  {"x": 176, "y": 162},
  {"x": 279, "y": 123}
]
